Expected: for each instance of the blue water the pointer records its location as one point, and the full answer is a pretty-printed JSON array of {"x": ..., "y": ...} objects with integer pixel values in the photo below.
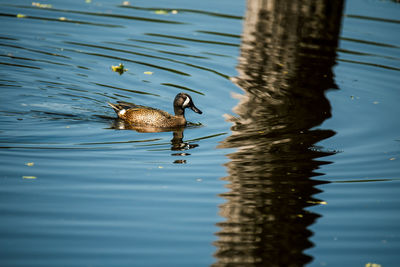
[
  {"x": 360, "y": 221},
  {"x": 76, "y": 190}
]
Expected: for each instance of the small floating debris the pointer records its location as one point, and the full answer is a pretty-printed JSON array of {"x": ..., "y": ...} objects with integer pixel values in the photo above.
[
  {"x": 161, "y": 12},
  {"x": 194, "y": 124},
  {"x": 148, "y": 72},
  {"x": 29, "y": 177},
  {"x": 126, "y": 3},
  {"x": 36, "y": 4},
  {"x": 180, "y": 161},
  {"x": 120, "y": 68},
  {"x": 318, "y": 202},
  {"x": 165, "y": 12},
  {"x": 62, "y": 18},
  {"x": 88, "y": 1},
  {"x": 392, "y": 158},
  {"x": 369, "y": 264},
  {"x": 20, "y": 16},
  {"x": 29, "y": 164}
]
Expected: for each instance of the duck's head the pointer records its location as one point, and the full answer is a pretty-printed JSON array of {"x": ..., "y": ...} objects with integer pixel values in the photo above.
[{"x": 182, "y": 101}]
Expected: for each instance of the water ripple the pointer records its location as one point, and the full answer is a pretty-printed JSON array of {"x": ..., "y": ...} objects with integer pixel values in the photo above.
[
  {"x": 369, "y": 64},
  {"x": 132, "y": 61},
  {"x": 368, "y": 42},
  {"x": 190, "y": 39},
  {"x": 156, "y": 42},
  {"x": 182, "y": 87},
  {"x": 34, "y": 50},
  {"x": 124, "y": 89},
  {"x": 373, "y": 18},
  {"x": 118, "y": 16},
  {"x": 19, "y": 65},
  {"x": 62, "y": 19},
  {"x": 184, "y": 10},
  {"x": 145, "y": 63}
]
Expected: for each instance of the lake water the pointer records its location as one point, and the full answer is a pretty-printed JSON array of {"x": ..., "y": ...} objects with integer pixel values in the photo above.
[{"x": 294, "y": 161}]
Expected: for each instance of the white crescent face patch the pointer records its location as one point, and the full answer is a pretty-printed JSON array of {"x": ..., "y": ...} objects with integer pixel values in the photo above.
[{"x": 187, "y": 101}]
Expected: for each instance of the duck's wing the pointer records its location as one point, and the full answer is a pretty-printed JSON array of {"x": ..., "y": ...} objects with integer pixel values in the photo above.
[
  {"x": 124, "y": 106},
  {"x": 128, "y": 105}
]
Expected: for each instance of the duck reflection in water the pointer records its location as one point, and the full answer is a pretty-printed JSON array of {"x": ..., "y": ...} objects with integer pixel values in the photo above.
[{"x": 177, "y": 143}]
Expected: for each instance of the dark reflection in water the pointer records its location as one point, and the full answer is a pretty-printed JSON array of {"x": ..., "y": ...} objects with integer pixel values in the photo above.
[
  {"x": 178, "y": 145},
  {"x": 287, "y": 54}
]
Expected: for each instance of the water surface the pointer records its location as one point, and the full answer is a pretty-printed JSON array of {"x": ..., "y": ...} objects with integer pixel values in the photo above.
[{"x": 296, "y": 152}]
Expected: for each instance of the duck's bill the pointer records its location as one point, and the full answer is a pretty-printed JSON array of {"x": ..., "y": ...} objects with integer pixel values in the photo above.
[{"x": 193, "y": 107}]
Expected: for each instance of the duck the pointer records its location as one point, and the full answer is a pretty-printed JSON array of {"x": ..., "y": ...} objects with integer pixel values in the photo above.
[{"x": 151, "y": 117}]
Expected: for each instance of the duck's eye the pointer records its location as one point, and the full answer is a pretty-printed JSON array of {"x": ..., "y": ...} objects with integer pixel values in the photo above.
[{"x": 187, "y": 101}]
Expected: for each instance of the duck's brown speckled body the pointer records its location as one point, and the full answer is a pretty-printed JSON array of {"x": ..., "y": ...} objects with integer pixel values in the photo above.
[{"x": 147, "y": 116}]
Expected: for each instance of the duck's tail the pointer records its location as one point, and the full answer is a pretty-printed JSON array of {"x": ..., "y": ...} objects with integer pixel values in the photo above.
[
  {"x": 117, "y": 108},
  {"x": 122, "y": 107}
]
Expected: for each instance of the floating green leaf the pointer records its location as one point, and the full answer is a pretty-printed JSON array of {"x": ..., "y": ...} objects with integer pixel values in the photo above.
[
  {"x": 120, "y": 68},
  {"x": 29, "y": 177},
  {"x": 36, "y": 4},
  {"x": 161, "y": 12}
]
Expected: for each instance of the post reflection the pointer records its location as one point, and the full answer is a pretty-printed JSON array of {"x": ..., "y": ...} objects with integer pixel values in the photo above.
[{"x": 287, "y": 53}]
